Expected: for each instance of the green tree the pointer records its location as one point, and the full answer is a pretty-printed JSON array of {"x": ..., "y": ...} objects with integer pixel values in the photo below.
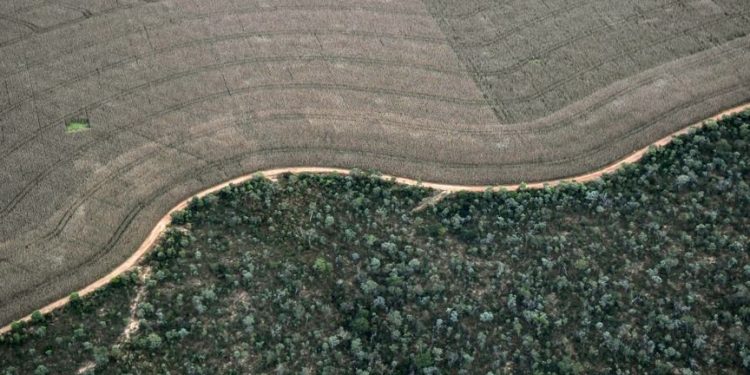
[{"x": 322, "y": 266}]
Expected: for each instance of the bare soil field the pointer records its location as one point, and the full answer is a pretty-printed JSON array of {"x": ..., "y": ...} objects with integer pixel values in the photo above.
[{"x": 180, "y": 95}]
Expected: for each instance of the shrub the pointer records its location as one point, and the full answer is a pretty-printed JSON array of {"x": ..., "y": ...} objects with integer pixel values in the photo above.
[{"x": 322, "y": 266}]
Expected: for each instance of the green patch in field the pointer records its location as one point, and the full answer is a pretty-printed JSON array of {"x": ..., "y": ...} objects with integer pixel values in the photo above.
[{"x": 77, "y": 125}]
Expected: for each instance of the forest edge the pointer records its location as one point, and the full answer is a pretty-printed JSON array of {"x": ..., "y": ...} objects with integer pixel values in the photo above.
[{"x": 273, "y": 174}]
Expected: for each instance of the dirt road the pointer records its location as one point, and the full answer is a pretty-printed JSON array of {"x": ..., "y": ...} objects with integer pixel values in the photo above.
[{"x": 273, "y": 174}]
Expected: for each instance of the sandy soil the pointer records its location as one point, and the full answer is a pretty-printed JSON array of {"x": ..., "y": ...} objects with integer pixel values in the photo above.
[
  {"x": 132, "y": 326},
  {"x": 273, "y": 174}
]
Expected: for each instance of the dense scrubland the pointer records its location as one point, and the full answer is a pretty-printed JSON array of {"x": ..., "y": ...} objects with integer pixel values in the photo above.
[{"x": 644, "y": 271}]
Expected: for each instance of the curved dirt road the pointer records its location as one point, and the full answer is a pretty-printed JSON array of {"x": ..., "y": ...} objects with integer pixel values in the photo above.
[{"x": 272, "y": 174}]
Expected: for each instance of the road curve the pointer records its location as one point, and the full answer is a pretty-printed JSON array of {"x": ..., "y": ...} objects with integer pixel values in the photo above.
[{"x": 273, "y": 174}]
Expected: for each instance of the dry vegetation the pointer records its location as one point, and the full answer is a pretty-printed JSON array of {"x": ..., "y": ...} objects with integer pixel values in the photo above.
[{"x": 183, "y": 94}]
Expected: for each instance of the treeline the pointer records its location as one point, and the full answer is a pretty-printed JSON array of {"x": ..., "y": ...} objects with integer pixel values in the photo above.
[{"x": 644, "y": 271}]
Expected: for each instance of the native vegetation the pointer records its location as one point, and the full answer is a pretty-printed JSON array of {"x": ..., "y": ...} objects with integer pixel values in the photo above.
[{"x": 644, "y": 271}]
